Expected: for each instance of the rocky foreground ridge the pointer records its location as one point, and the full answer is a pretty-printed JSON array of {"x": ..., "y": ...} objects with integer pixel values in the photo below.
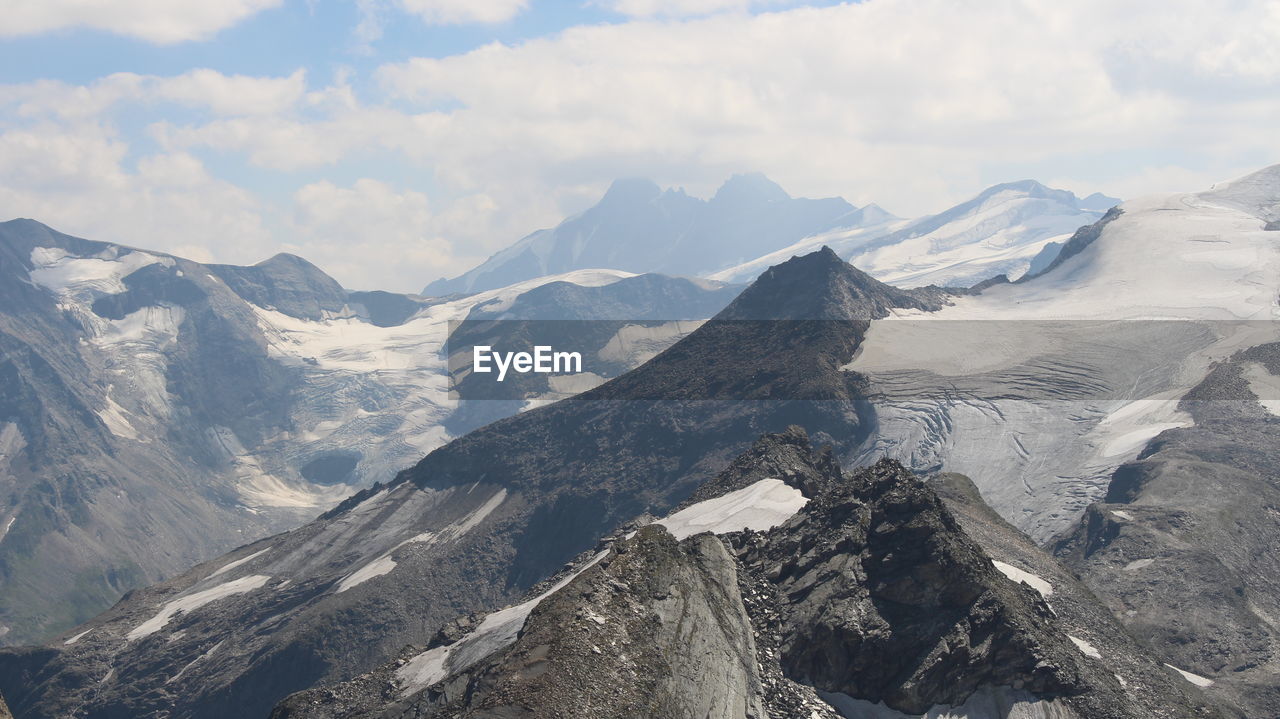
[{"x": 871, "y": 599}]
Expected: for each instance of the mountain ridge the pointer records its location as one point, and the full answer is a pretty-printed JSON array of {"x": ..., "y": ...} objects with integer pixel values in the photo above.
[{"x": 638, "y": 227}]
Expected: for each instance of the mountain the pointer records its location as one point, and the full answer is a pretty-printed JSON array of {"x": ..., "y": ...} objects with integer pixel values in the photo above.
[
  {"x": 477, "y": 522},
  {"x": 1039, "y": 390},
  {"x": 638, "y": 227},
  {"x": 1196, "y": 514},
  {"x": 1119, "y": 407},
  {"x": 1006, "y": 229},
  {"x": 784, "y": 587},
  {"x": 156, "y": 412}
]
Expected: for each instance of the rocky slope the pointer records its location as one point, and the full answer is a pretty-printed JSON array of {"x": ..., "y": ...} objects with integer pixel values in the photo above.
[
  {"x": 155, "y": 412},
  {"x": 862, "y": 597},
  {"x": 1182, "y": 546},
  {"x": 474, "y": 524},
  {"x": 639, "y": 227}
]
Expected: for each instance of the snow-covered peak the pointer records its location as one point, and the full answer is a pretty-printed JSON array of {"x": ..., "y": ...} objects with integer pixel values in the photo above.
[
  {"x": 1001, "y": 230},
  {"x": 1257, "y": 194}
]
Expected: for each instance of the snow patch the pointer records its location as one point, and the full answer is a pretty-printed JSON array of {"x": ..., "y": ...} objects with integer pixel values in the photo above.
[
  {"x": 1122, "y": 515},
  {"x": 985, "y": 703},
  {"x": 84, "y": 277},
  {"x": 113, "y": 416},
  {"x": 498, "y": 630},
  {"x": 192, "y": 663},
  {"x": 232, "y": 565},
  {"x": 1264, "y": 385},
  {"x": 1138, "y": 564},
  {"x": 384, "y": 564},
  {"x": 761, "y": 506},
  {"x": 195, "y": 601},
  {"x": 1193, "y": 678},
  {"x": 1017, "y": 575},
  {"x": 1085, "y": 648},
  {"x": 378, "y": 567},
  {"x": 76, "y": 638}
]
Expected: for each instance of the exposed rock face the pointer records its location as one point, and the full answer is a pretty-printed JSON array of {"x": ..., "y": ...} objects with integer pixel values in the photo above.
[
  {"x": 4, "y": 710},
  {"x": 286, "y": 283},
  {"x": 1182, "y": 548},
  {"x": 871, "y": 596},
  {"x": 889, "y": 601},
  {"x": 1081, "y": 239},
  {"x": 658, "y": 630}
]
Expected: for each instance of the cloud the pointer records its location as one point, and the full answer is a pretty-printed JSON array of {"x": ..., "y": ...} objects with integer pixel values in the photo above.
[
  {"x": 459, "y": 12},
  {"x": 201, "y": 89},
  {"x": 76, "y": 179},
  {"x": 162, "y": 22},
  {"x": 686, "y": 8},
  {"x": 905, "y": 103},
  {"x": 913, "y": 104},
  {"x": 371, "y": 236}
]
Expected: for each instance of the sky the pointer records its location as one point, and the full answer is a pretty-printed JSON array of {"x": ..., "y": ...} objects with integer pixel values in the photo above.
[{"x": 392, "y": 142}]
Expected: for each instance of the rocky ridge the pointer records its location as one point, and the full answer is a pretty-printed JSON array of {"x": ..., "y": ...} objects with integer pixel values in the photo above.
[{"x": 870, "y": 600}]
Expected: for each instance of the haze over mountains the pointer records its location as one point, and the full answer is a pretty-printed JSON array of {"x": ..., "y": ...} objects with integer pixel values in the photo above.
[
  {"x": 384, "y": 600},
  {"x": 751, "y": 223}
]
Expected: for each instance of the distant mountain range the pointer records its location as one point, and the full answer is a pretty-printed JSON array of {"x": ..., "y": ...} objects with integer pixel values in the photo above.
[
  {"x": 751, "y": 224},
  {"x": 639, "y": 227}
]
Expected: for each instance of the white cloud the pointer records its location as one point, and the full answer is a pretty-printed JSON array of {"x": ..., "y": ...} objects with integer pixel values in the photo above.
[
  {"x": 914, "y": 104},
  {"x": 371, "y": 236},
  {"x": 158, "y": 21},
  {"x": 201, "y": 89},
  {"x": 76, "y": 180},
  {"x": 686, "y": 8},
  {"x": 458, "y": 12},
  {"x": 900, "y": 102}
]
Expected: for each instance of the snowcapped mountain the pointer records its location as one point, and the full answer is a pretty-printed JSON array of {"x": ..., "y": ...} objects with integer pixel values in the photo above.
[
  {"x": 1040, "y": 389},
  {"x": 145, "y": 396},
  {"x": 1117, "y": 405},
  {"x": 1007, "y": 229},
  {"x": 639, "y": 227},
  {"x": 477, "y": 522}
]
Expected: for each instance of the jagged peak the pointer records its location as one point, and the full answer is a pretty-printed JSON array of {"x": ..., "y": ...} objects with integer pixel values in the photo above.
[
  {"x": 630, "y": 190},
  {"x": 749, "y": 187},
  {"x": 821, "y": 286}
]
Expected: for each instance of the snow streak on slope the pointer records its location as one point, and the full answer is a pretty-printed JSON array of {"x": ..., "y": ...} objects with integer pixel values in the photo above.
[
  {"x": 986, "y": 703},
  {"x": 1039, "y": 390},
  {"x": 763, "y": 505},
  {"x": 195, "y": 601}
]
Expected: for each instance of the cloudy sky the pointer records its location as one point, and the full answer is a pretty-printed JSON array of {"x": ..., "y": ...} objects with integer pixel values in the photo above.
[{"x": 395, "y": 141}]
